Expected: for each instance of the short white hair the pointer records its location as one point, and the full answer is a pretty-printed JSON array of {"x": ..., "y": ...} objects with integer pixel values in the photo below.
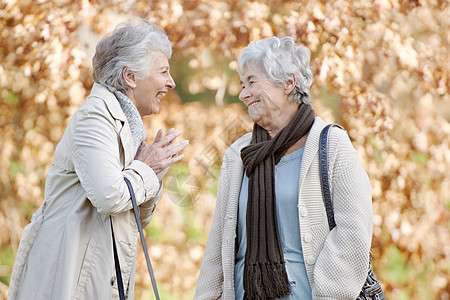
[
  {"x": 130, "y": 45},
  {"x": 280, "y": 58}
]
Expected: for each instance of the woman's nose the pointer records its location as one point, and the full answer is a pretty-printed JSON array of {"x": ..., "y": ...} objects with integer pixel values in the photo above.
[
  {"x": 244, "y": 94},
  {"x": 171, "y": 83}
]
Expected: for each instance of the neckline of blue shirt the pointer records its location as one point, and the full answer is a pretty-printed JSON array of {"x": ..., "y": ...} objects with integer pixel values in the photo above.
[{"x": 291, "y": 156}]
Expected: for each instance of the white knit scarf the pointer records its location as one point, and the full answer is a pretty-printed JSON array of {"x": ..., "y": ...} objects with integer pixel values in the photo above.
[{"x": 134, "y": 119}]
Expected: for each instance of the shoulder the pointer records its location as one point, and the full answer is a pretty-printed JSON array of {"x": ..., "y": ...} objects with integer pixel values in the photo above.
[
  {"x": 235, "y": 148},
  {"x": 320, "y": 124},
  {"x": 102, "y": 101},
  {"x": 336, "y": 139},
  {"x": 242, "y": 141},
  {"x": 335, "y": 132},
  {"x": 101, "y": 111}
]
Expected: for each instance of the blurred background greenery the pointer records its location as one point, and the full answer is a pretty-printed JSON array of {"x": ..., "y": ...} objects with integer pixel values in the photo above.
[{"x": 381, "y": 69}]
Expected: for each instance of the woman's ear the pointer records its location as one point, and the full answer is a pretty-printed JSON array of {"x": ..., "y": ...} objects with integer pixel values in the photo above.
[
  {"x": 290, "y": 85},
  {"x": 129, "y": 77}
]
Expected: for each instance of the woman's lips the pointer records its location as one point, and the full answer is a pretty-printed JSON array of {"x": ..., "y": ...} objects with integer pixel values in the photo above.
[{"x": 253, "y": 103}]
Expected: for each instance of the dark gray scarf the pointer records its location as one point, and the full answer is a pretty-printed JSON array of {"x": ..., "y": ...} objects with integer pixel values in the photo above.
[{"x": 265, "y": 274}]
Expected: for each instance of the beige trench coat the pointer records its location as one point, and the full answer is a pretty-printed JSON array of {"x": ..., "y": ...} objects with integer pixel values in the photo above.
[{"x": 66, "y": 250}]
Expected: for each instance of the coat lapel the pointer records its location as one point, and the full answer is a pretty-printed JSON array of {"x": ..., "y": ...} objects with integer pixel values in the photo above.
[
  {"x": 114, "y": 108},
  {"x": 127, "y": 143},
  {"x": 311, "y": 147}
]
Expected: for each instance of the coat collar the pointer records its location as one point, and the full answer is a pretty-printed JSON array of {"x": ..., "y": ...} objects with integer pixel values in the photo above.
[{"x": 100, "y": 91}]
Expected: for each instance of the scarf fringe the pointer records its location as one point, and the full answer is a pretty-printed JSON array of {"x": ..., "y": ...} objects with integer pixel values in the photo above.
[{"x": 266, "y": 281}]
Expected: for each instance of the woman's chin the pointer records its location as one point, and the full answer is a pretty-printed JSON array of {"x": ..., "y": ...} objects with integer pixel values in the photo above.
[{"x": 254, "y": 116}]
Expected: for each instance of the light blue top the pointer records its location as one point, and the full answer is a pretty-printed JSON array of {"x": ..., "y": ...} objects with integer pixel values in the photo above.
[{"x": 287, "y": 173}]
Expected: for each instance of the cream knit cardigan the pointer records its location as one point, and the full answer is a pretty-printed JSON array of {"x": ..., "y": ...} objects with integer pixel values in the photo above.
[{"x": 337, "y": 261}]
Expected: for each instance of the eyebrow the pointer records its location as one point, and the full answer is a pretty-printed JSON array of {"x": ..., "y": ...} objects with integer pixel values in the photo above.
[{"x": 248, "y": 78}]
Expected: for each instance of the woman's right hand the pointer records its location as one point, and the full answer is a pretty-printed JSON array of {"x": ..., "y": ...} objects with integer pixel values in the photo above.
[{"x": 162, "y": 153}]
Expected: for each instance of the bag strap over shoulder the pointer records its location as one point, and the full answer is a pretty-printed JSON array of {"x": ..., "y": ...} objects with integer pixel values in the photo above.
[
  {"x": 371, "y": 288},
  {"x": 324, "y": 180}
]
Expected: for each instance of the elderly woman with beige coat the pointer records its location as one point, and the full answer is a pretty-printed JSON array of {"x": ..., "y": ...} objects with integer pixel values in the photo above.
[
  {"x": 270, "y": 237},
  {"x": 66, "y": 251}
]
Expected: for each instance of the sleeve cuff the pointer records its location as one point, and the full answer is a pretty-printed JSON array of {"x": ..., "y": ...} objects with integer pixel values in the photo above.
[
  {"x": 151, "y": 182},
  {"x": 153, "y": 201}
]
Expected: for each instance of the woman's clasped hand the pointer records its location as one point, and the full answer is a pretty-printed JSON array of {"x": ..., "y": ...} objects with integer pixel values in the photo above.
[{"x": 163, "y": 152}]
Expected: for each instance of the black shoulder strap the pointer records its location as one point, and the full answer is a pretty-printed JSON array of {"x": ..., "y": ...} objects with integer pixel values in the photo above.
[
  {"x": 144, "y": 246},
  {"x": 324, "y": 180},
  {"x": 141, "y": 233},
  {"x": 117, "y": 265}
]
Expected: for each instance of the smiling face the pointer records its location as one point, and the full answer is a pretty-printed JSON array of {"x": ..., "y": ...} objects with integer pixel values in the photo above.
[
  {"x": 268, "y": 104},
  {"x": 145, "y": 92}
]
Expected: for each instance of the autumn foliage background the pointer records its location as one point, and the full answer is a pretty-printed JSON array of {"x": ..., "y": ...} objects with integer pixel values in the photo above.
[{"x": 381, "y": 70}]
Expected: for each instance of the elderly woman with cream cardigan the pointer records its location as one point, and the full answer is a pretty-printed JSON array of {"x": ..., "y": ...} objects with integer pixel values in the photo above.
[{"x": 270, "y": 237}]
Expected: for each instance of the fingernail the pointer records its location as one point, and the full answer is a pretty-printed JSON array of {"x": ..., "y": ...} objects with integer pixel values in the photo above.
[
  {"x": 179, "y": 132},
  {"x": 186, "y": 142}
]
